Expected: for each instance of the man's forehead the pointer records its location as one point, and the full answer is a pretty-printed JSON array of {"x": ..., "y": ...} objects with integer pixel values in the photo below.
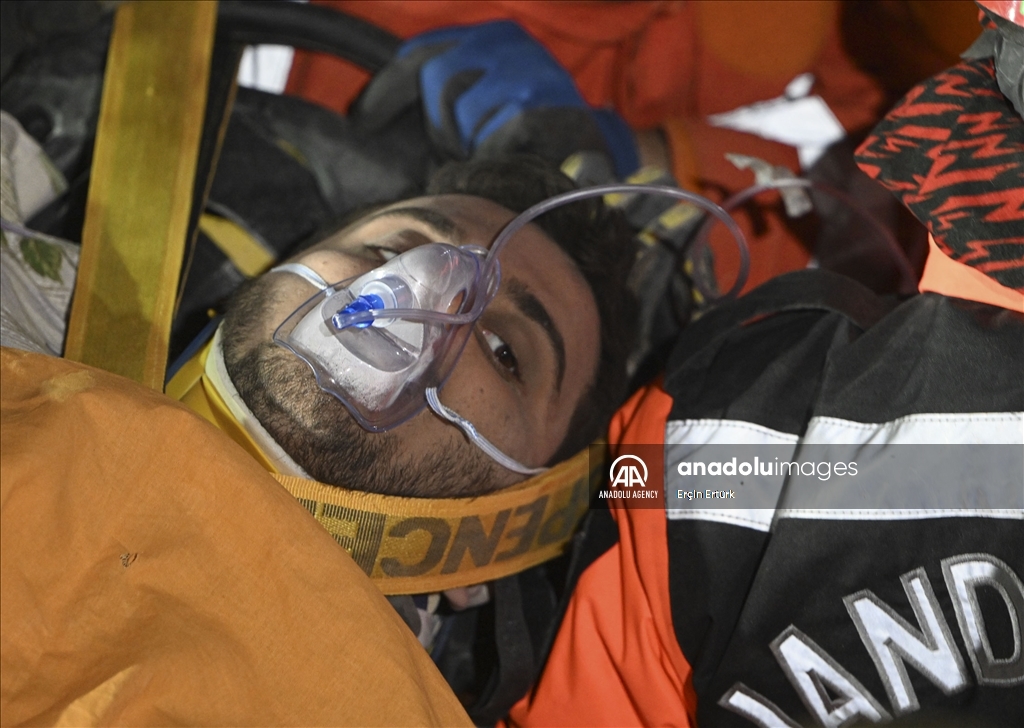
[
  {"x": 475, "y": 216},
  {"x": 467, "y": 207}
]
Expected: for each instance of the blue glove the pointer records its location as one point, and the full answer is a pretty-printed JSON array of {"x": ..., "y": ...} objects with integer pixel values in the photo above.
[{"x": 491, "y": 88}]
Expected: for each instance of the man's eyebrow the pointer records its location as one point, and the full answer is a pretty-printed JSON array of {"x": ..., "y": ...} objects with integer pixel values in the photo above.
[
  {"x": 533, "y": 309},
  {"x": 440, "y": 223}
]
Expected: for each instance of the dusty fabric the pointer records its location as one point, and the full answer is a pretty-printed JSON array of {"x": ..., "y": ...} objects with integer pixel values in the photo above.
[
  {"x": 154, "y": 574},
  {"x": 37, "y": 273}
]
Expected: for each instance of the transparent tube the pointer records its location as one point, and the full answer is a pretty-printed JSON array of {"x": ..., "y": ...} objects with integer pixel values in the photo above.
[
  {"x": 898, "y": 255},
  {"x": 530, "y": 214}
]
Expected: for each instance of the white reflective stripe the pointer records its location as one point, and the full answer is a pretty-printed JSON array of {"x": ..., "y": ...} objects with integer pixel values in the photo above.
[
  {"x": 986, "y": 436},
  {"x": 975, "y": 428},
  {"x": 723, "y": 432},
  {"x": 897, "y": 514},
  {"x": 992, "y": 428},
  {"x": 304, "y": 272},
  {"x": 733, "y": 432},
  {"x": 475, "y": 437},
  {"x": 759, "y": 519},
  {"x": 906, "y": 473}
]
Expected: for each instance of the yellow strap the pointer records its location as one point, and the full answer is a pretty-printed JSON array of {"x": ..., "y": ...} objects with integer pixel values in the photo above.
[
  {"x": 140, "y": 193},
  {"x": 248, "y": 254},
  {"x": 192, "y": 388},
  {"x": 422, "y": 545}
]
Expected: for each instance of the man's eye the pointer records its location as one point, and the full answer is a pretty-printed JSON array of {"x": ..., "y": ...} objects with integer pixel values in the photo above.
[{"x": 501, "y": 352}]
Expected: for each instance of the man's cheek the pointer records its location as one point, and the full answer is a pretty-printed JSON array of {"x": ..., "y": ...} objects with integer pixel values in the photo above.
[
  {"x": 286, "y": 295},
  {"x": 498, "y": 415},
  {"x": 288, "y": 383}
]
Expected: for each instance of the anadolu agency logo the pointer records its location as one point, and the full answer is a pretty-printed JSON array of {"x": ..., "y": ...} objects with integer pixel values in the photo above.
[
  {"x": 627, "y": 478},
  {"x": 626, "y": 474}
]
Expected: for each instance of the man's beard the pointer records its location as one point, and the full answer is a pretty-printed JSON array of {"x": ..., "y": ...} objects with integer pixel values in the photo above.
[{"x": 318, "y": 432}]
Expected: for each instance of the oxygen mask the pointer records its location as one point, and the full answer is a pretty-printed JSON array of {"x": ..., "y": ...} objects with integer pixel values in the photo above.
[
  {"x": 377, "y": 341},
  {"x": 385, "y": 342}
]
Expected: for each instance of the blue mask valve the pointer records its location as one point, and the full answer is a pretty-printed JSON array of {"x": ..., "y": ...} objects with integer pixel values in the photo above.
[{"x": 368, "y": 302}]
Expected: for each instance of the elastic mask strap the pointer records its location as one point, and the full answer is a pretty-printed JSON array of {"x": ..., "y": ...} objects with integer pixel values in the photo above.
[
  {"x": 303, "y": 271},
  {"x": 475, "y": 437}
]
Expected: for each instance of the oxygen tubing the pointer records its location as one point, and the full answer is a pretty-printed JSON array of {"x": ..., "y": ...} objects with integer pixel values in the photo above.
[
  {"x": 529, "y": 215},
  {"x": 909, "y": 278}
]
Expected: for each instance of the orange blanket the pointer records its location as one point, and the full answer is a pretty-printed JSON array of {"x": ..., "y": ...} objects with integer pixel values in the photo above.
[{"x": 154, "y": 574}]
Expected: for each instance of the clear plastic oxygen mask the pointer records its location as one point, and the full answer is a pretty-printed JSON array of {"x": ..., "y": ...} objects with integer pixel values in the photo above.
[
  {"x": 385, "y": 342},
  {"x": 373, "y": 362}
]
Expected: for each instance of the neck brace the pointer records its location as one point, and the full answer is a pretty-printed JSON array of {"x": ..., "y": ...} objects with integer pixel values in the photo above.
[{"x": 408, "y": 545}]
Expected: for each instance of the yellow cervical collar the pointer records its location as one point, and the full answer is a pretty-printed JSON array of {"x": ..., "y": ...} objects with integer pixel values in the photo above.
[{"x": 413, "y": 545}]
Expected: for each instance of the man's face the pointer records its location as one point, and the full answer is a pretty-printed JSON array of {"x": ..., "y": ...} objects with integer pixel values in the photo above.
[{"x": 532, "y": 356}]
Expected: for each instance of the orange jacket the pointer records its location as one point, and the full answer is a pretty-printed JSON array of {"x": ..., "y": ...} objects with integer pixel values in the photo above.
[
  {"x": 616, "y": 660},
  {"x": 664, "y": 64}
]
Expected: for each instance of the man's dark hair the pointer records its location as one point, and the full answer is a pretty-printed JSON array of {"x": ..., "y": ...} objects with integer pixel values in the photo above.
[{"x": 596, "y": 238}]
